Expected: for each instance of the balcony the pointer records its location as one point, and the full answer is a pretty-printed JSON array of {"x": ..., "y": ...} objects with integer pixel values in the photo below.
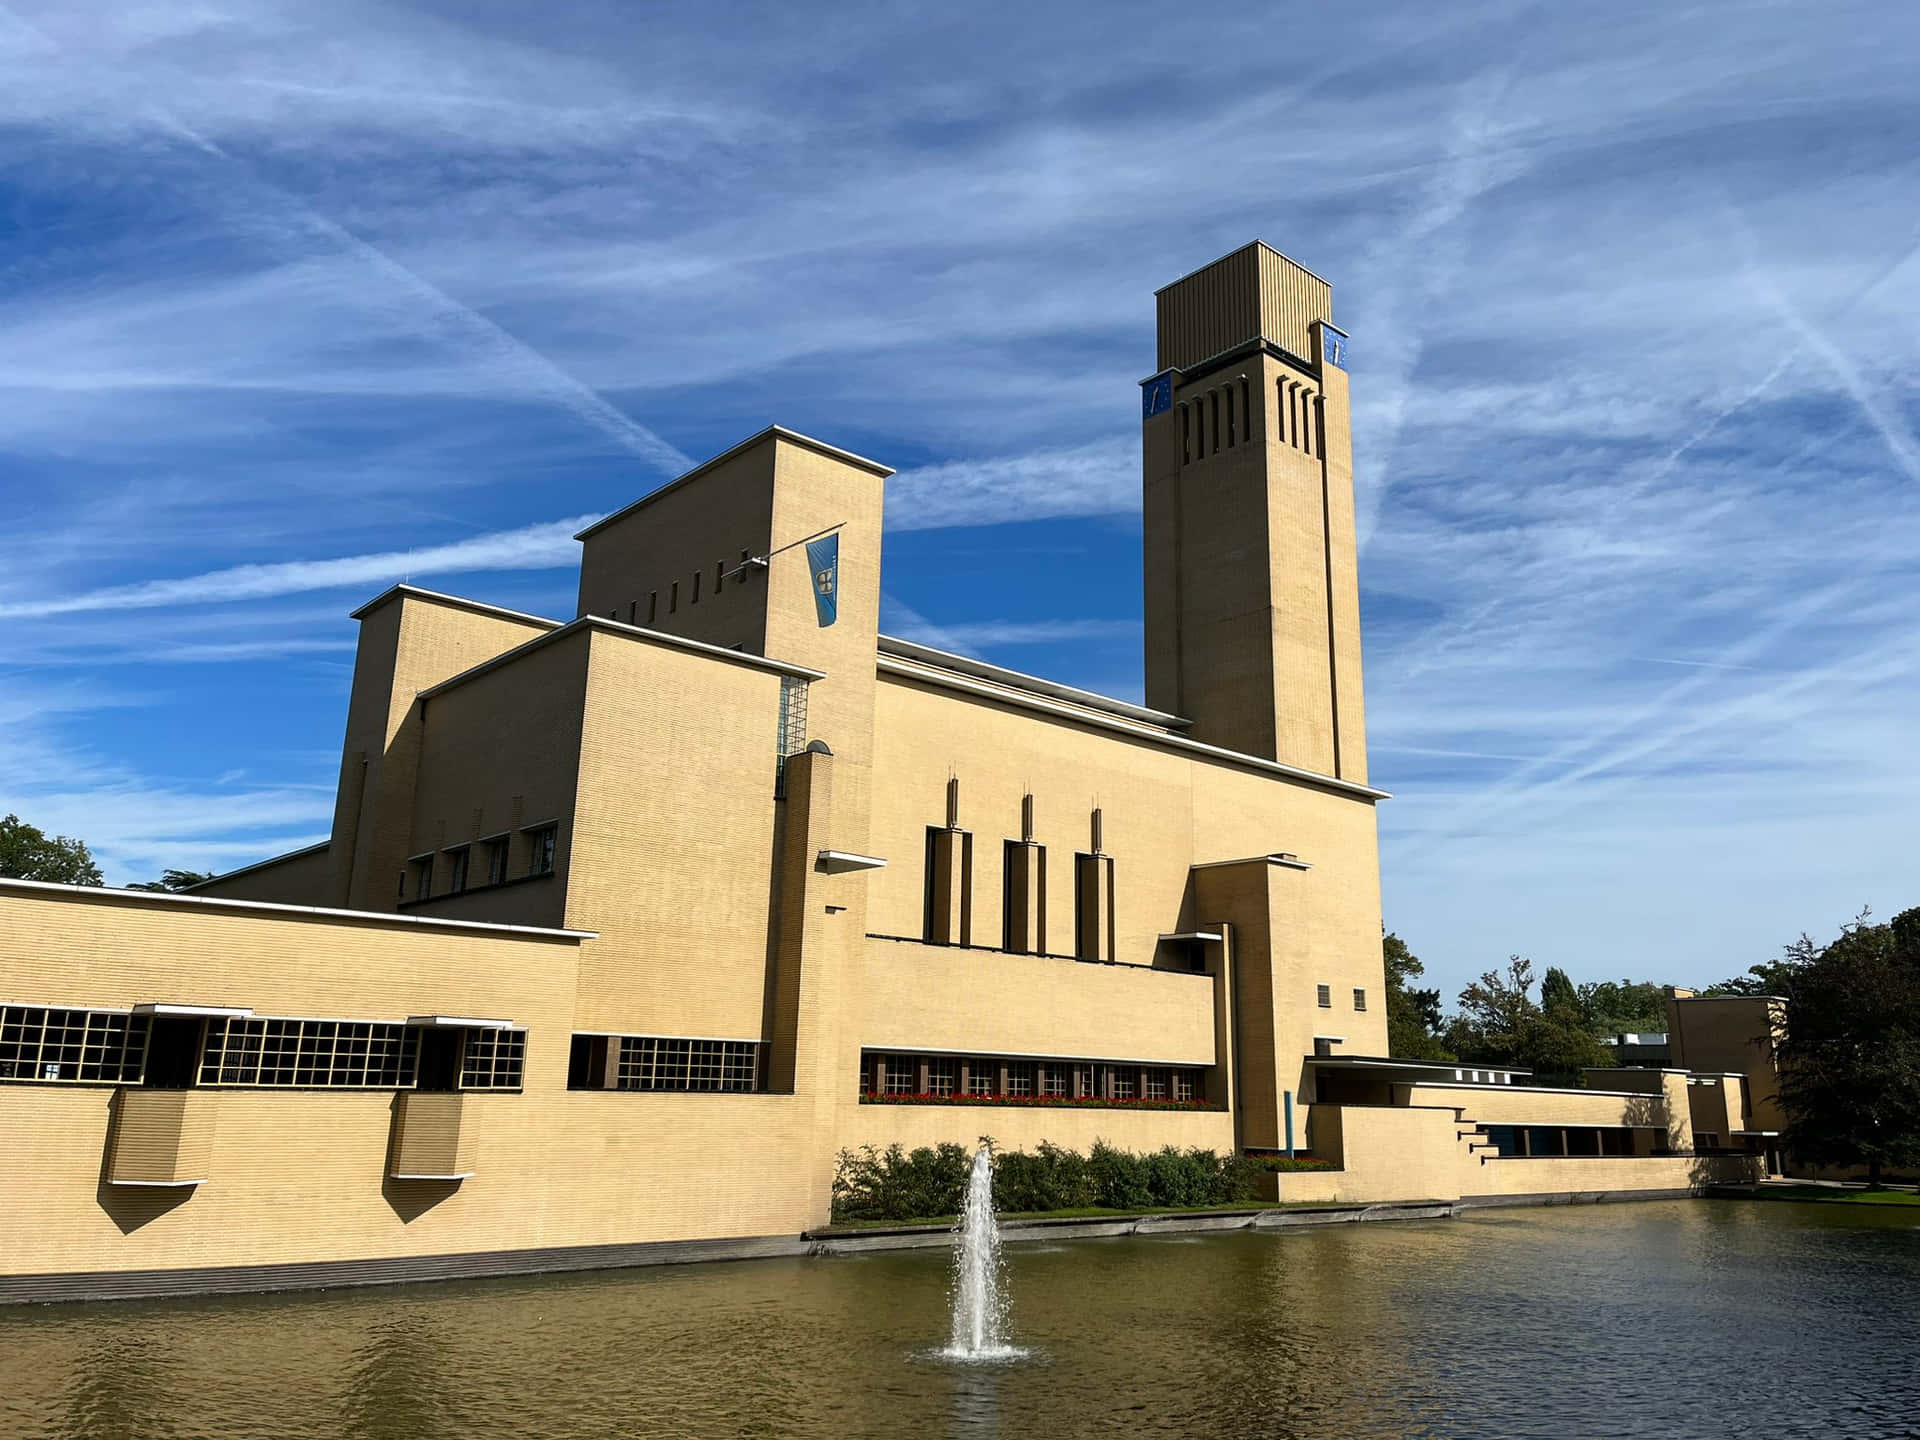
[
  {"x": 161, "y": 1138},
  {"x": 432, "y": 1139}
]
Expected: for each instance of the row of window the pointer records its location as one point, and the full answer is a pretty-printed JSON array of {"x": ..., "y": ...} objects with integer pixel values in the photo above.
[
  {"x": 108, "y": 1047},
  {"x": 1005, "y": 1077},
  {"x": 451, "y": 871},
  {"x": 947, "y": 897},
  {"x": 663, "y": 1062},
  {"x": 1323, "y": 997},
  {"x": 721, "y": 571},
  {"x": 1222, "y": 419},
  {"x": 92, "y": 1047}
]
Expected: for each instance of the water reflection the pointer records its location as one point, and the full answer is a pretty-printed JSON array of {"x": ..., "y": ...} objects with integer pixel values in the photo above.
[{"x": 1646, "y": 1320}]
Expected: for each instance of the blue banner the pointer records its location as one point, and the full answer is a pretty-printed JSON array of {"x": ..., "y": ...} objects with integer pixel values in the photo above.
[{"x": 823, "y": 563}]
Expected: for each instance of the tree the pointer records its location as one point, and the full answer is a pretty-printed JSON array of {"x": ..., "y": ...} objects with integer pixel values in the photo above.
[
  {"x": 1500, "y": 1023},
  {"x": 1850, "y": 1057},
  {"x": 1413, "y": 1016},
  {"x": 1624, "y": 1007},
  {"x": 1557, "y": 995},
  {"x": 1770, "y": 977},
  {"x": 174, "y": 880},
  {"x": 27, "y": 853}
]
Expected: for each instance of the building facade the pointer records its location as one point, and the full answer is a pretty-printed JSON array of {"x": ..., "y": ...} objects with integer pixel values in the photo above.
[{"x": 628, "y": 924}]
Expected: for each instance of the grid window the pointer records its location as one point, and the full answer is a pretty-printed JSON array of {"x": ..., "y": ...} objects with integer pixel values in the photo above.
[
  {"x": 1324, "y": 994},
  {"x": 1053, "y": 1081},
  {"x": 903, "y": 1074},
  {"x": 1183, "y": 1086},
  {"x": 1359, "y": 999},
  {"x": 1086, "y": 1079},
  {"x": 497, "y": 860},
  {"x": 349, "y": 1054},
  {"x": 1156, "y": 1085},
  {"x": 540, "y": 851},
  {"x": 1125, "y": 1082},
  {"x": 494, "y": 1060},
  {"x": 85, "y": 1047},
  {"x": 1019, "y": 1077},
  {"x": 982, "y": 1077},
  {"x": 659, "y": 1062},
  {"x": 940, "y": 1076}
]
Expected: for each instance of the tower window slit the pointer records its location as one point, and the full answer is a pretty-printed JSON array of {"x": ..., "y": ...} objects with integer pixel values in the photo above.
[
  {"x": 1186, "y": 437},
  {"x": 1246, "y": 408},
  {"x": 1228, "y": 397},
  {"x": 1213, "y": 417},
  {"x": 673, "y": 597},
  {"x": 653, "y": 606},
  {"x": 696, "y": 589}
]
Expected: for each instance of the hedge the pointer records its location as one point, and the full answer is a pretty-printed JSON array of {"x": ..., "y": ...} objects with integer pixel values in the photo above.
[{"x": 899, "y": 1184}]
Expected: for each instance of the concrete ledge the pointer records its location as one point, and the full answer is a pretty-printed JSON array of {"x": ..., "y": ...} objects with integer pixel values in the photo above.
[
  {"x": 855, "y": 1242},
  {"x": 1574, "y": 1197},
  {"x": 393, "y": 1270}
]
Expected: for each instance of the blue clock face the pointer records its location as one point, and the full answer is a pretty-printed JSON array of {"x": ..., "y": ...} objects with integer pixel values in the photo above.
[
  {"x": 1333, "y": 345},
  {"x": 1156, "y": 395}
]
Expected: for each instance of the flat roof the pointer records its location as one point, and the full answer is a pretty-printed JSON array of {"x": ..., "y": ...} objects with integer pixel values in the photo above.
[
  {"x": 369, "y": 917},
  {"x": 1019, "y": 680},
  {"x": 1377, "y": 1061},
  {"x": 458, "y": 602},
  {"x": 933, "y": 673},
  {"x": 256, "y": 865},
  {"x": 638, "y": 632},
  {"x": 772, "y": 432}
]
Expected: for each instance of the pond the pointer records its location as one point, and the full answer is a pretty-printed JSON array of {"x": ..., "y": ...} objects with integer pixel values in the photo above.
[{"x": 1678, "y": 1318}]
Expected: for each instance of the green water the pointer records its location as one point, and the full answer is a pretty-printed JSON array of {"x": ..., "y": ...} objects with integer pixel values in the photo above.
[{"x": 1680, "y": 1319}]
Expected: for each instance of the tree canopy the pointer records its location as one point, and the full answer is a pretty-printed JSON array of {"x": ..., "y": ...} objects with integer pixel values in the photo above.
[
  {"x": 1500, "y": 1023},
  {"x": 171, "y": 880},
  {"x": 28, "y": 853},
  {"x": 1850, "y": 1055},
  {"x": 1413, "y": 1016}
]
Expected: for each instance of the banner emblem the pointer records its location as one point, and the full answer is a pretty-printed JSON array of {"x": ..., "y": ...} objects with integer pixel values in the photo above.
[{"x": 823, "y": 562}]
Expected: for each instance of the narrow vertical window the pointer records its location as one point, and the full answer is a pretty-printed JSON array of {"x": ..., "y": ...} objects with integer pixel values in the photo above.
[
  {"x": 1213, "y": 422},
  {"x": 1280, "y": 392},
  {"x": 1359, "y": 999},
  {"x": 1246, "y": 408},
  {"x": 1186, "y": 436},
  {"x": 1232, "y": 439},
  {"x": 653, "y": 606},
  {"x": 633, "y": 611},
  {"x": 673, "y": 597},
  {"x": 1323, "y": 996},
  {"x": 719, "y": 575},
  {"x": 696, "y": 589}
]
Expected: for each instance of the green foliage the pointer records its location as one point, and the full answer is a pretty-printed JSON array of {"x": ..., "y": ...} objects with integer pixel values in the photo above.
[
  {"x": 1624, "y": 1007},
  {"x": 1500, "y": 1023},
  {"x": 27, "y": 853},
  {"x": 1413, "y": 1016},
  {"x": 173, "y": 880},
  {"x": 896, "y": 1184},
  {"x": 1850, "y": 1058},
  {"x": 1557, "y": 995},
  {"x": 1289, "y": 1164},
  {"x": 1770, "y": 977}
]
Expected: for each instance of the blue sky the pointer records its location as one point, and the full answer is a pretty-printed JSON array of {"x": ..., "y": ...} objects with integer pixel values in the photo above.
[{"x": 298, "y": 299}]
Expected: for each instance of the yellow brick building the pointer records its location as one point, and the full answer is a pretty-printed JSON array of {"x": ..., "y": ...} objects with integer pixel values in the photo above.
[{"x": 628, "y": 924}]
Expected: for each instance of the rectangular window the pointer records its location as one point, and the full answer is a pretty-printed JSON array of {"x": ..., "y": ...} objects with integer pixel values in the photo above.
[
  {"x": 457, "y": 870},
  {"x": 349, "y": 1054},
  {"x": 696, "y": 589},
  {"x": 1324, "y": 995},
  {"x": 1183, "y": 1086},
  {"x": 493, "y": 1060},
  {"x": 941, "y": 1075},
  {"x": 903, "y": 1074},
  {"x": 662, "y": 1062},
  {"x": 1125, "y": 1082},
  {"x": 1019, "y": 1077},
  {"x": 1156, "y": 1086},
  {"x": 1359, "y": 999},
  {"x": 496, "y": 855},
  {"x": 983, "y": 1077},
  {"x": 540, "y": 850},
  {"x": 719, "y": 575},
  {"x": 422, "y": 877},
  {"x": 1087, "y": 1082},
  {"x": 82, "y": 1047},
  {"x": 673, "y": 597},
  {"x": 653, "y": 606},
  {"x": 1053, "y": 1080}
]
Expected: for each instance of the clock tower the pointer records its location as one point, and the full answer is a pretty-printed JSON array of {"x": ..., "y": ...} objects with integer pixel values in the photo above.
[{"x": 1252, "y": 590}]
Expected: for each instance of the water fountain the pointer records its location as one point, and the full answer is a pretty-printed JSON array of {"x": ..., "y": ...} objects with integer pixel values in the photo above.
[{"x": 979, "y": 1308}]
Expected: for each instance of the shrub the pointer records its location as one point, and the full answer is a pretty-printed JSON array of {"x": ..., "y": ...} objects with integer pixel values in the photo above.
[
  {"x": 1257, "y": 1160},
  {"x": 897, "y": 1184}
]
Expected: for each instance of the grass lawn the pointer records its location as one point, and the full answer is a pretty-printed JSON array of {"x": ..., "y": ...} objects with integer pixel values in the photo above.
[{"x": 1829, "y": 1195}]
